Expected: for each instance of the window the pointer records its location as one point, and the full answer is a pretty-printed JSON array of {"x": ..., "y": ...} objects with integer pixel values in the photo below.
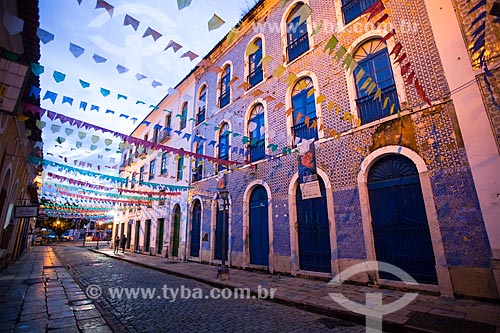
[
  {"x": 225, "y": 89},
  {"x": 304, "y": 111},
  {"x": 132, "y": 181},
  {"x": 296, "y": 35},
  {"x": 198, "y": 165},
  {"x": 374, "y": 59},
  {"x": 255, "y": 72},
  {"x": 257, "y": 134},
  {"x": 183, "y": 116},
  {"x": 354, "y": 8},
  {"x": 168, "y": 120},
  {"x": 152, "y": 169},
  {"x": 202, "y": 105},
  {"x": 223, "y": 144},
  {"x": 141, "y": 175},
  {"x": 180, "y": 167},
  {"x": 164, "y": 162},
  {"x": 155, "y": 133}
]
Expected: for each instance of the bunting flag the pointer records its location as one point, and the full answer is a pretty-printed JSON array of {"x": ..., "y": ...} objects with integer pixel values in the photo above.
[
  {"x": 45, "y": 36},
  {"x": 215, "y": 22},
  {"x": 175, "y": 46},
  {"x": 190, "y": 55},
  {"x": 153, "y": 33},
  {"x": 105, "y": 5},
  {"x": 121, "y": 69},
  {"x": 50, "y": 96},
  {"x": 374, "y": 9},
  {"x": 13, "y": 24},
  {"x": 76, "y": 50},
  {"x": 181, "y": 4},
  {"x": 98, "y": 59},
  {"x": 129, "y": 20}
]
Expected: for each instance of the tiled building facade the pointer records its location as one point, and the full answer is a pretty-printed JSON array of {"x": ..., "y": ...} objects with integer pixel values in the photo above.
[{"x": 396, "y": 185}]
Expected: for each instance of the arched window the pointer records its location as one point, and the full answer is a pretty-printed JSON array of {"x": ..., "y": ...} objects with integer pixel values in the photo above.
[
  {"x": 354, "y": 8},
  {"x": 198, "y": 164},
  {"x": 257, "y": 134},
  {"x": 304, "y": 111},
  {"x": 255, "y": 72},
  {"x": 184, "y": 113},
  {"x": 225, "y": 89},
  {"x": 223, "y": 144},
  {"x": 297, "y": 36},
  {"x": 164, "y": 164},
  {"x": 374, "y": 59},
  {"x": 202, "y": 105}
]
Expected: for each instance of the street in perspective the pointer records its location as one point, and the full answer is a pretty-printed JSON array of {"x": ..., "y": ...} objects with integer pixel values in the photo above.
[{"x": 250, "y": 165}]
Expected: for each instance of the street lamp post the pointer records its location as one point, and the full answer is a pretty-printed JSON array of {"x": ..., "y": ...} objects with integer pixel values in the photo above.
[
  {"x": 223, "y": 272},
  {"x": 99, "y": 235}
]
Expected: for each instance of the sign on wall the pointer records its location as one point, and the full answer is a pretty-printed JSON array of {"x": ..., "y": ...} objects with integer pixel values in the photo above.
[
  {"x": 308, "y": 177},
  {"x": 25, "y": 211}
]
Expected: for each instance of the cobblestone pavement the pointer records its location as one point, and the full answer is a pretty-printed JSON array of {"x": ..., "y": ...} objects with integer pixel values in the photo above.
[{"x": 183, "y": 315}]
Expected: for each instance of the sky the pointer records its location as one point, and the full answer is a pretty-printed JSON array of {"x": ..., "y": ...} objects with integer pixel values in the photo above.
[{"x": 108, "y": 43}]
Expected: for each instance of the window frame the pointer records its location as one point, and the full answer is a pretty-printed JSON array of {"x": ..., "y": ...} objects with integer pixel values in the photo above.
[
  {"x": 180, "y": 168},
  {"x": 252, "y": 62},
  {"x": 184, "y": 115},
  {"x": 292, "y": 9},
  {"x": 224, "y": 87},
  {"x": 307, "y": 101},
  {"x": 164, "y": 164},
  {"x": 201, "y": 112},
  {"x": 262, "y": 136},
  {"x": 152, "y": 167},
  {"x": 227, "y": 146}
]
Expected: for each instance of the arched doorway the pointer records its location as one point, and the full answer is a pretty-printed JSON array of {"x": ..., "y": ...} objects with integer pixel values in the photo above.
[
  {"x": 194, "y": 249},
  {"x": 259, "y": 227},
  {"x": 177, "y": 226},
  {"x": 399, "y": 220},
  {"x": 313, "y": 232}
]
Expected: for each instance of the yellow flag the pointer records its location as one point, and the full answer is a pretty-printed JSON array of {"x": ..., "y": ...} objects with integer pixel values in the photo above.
[
  {"x": 340, "y": 53},
  {"x": 215, "y": 22},
  {"x": 331, "y": 44},
  {"x": 251, "y": 49},
  {"x": 366, "y": 83},
  {"x": 311, "y": 92},
  {"x": 291, "y": 78},
  {"x": 279, "y": 71},
  {"x": 317, "y": 29},
  {"x": 378, "y": 95},
  {"x": 385, "y": 103},
  {"x": 320, "y": 99},
  {"x": 331, "y": 106},
  {"x": 265, "y": 61},
  {"x": 360, "y": 74},
  {"x": 346, "y": 115},
  {"x": 232, "y": 35},
  {"x": 392, "y": 109},
  {"x": 337, "y": 110},
  {"x": 372, "y": 87}
]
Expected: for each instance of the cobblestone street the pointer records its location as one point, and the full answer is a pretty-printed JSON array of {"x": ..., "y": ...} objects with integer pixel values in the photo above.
[{"x": 184, "y": 315}]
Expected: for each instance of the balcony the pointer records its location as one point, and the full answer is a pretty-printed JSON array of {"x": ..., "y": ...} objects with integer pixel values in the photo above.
[
  {"x": 371, "y": 110},
  {"x": 354, "y": 8},
  {"x": 304, "y": 132},
  {"x": 197, "y": 173},
  {"x": 164, "y": 136},
  {"x": 256, "y": 76},
  {"x": 224, "y": 99},
  {"x": 257, "y": 151},
  {"x": 200, "y": 116},
  {"x": 298, "y": 47}
]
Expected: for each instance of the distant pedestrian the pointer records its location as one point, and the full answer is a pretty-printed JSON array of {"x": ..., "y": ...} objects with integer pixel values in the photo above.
[
  {"x": 124, "y": 243},
  {"x": 117, "y": 244}
]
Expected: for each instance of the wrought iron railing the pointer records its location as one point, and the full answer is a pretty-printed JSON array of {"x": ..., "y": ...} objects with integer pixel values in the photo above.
[
  {"x": 200, "y": 116},
  {"x": 164, "y": 136},
  {"x": 305, "y": 132},
  {"x": 224, "y": 99},
  {"x": 257, "y": 151},
  {"x": 372, "y": 109},
  {"x": 256, "y": 76},
  {"x": 298, "y": 47}
]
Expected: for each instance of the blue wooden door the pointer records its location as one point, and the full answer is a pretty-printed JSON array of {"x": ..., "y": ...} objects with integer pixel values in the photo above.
[
  {"x": 177, "y": 228},
  {"x": 400, "y": 229},
  {"x": 218, "y": 234},
  {"x": 194, "y": 250},
  {"x": 313, "y": 232},
  {"x": 259, "y": 227}
]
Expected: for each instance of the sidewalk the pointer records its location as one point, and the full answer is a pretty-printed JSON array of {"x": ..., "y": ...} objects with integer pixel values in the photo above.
[
  {"x": 37, "y": 294},
  {"x": 425, "y": 314}
]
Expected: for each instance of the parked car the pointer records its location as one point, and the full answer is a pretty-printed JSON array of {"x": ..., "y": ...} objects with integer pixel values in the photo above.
[{"x": 68, "y": 235}]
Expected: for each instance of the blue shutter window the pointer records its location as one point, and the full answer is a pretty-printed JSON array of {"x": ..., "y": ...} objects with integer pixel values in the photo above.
[
  {"x": 296, "y": 34},
  {"x": 256, "y": 74},
  {"x": 304, "y": 106},
  {"x": 257, "y": 134},
  {"x": 373, "y": 58}
]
